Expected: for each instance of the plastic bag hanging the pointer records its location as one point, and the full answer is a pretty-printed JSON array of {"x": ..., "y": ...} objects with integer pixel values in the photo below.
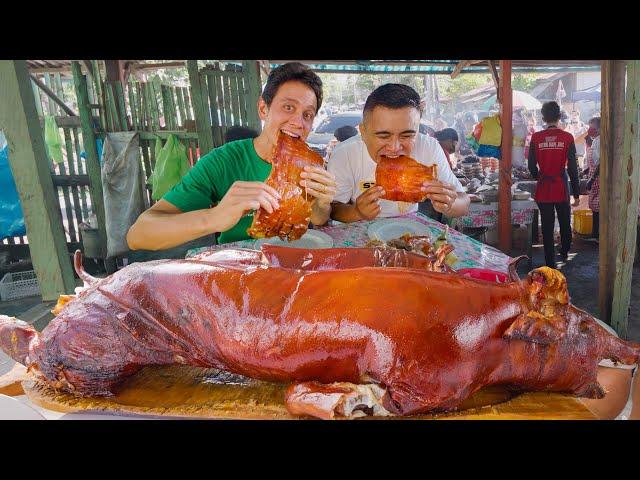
[
  {"x": 172, "y": 164},
  {"x": 52, "y": 139}
]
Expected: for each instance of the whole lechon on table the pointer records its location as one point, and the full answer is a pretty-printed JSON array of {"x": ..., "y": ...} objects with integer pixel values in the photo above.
[{"x": 369, "y": 332}]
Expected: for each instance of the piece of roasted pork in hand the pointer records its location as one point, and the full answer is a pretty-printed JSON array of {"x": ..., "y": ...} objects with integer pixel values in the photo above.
[
  {"x": 402, "y": 178},
  {"x": 291, "y": 220}
]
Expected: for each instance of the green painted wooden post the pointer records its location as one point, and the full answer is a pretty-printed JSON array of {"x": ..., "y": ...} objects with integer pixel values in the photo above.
[
  {"x": 180, "y": 100},
  {"x": 97, "y": 86},
  {"x": 187, "y": 103},
  {"x": 81, "y": 170},
  {"x": 216, "y": 80},
  {"x": 242, "y": 98},
  {"x": 92, "y": 162},
  {"x": 628, "y": 218},
  {"x": 214, "y": 105},
  {"x": 120, "y": 105},
  {"x": 132, "y": 106},
  {"x": 224, "y": 83},
  {"x": 137, "y": 95},
  {"x": 38, "y": 101},
  {"x": 47, "y": 243},
  {"x": 166, "y": 107},
  {"x": 233, "y": 96},
  {"x": 203, "y": 124},
  {"x": 59, "y": 91},
  {"x": 152, "y": 98},
  {"x": 51, "y": 105},
  {"x": 112, "y": 108},
  {"x": 72, "y": 171},
  {"x": 174, "y": 111},
  {"x": 253, "y": 84}
]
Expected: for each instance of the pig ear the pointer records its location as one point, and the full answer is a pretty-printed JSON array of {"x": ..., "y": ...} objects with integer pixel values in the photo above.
[
  {"x": 547, "y": 289},
  {"x": 536, "y": 328}
]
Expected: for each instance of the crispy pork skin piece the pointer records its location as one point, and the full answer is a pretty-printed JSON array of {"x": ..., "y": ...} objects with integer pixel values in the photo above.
[
  {"x": 291, "y": 220},
  {"x": 402, "y": 177}
]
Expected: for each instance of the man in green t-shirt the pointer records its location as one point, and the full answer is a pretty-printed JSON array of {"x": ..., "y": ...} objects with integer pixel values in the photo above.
[{"x": 231, "y": 178}]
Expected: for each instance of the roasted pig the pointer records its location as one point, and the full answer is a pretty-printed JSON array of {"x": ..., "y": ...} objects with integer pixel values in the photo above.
[{"x": 352, "y": 335}]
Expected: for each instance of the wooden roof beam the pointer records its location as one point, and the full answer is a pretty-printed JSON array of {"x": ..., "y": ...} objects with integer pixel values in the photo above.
[
  {"x": 134, "y": 67},
  {"x": 496, "y": 78},
  {"x": 462, "y": 64},
  {"x": 52, "y": 95}
]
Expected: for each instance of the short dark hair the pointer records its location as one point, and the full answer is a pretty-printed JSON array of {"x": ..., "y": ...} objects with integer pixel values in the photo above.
[
  {"x": 392, "y": 95},
  {"x": 344, "y": 132},
  {"x": 595, "y": 120},
  {"x": 447, "y": 134},
  {"x": 239, "y": 133},
  {"x": 550, "y": 112},
  {"x": 292, "y": 71}
]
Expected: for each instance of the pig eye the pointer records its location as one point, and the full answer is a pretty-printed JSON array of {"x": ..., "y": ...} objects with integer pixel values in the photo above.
[{"x": 584, "y": 326}]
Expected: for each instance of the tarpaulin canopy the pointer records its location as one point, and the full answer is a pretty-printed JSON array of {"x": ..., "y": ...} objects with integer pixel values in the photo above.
[
  {"x": 438, "y": 66},
  {"x": 591, "y": 94}
]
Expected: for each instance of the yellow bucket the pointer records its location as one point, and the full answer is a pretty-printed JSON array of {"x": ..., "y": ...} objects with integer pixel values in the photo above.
[{"x": 583, "y": 221}]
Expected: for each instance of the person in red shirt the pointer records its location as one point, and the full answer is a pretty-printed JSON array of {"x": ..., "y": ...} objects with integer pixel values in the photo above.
[{"x": 551, "y": 152}]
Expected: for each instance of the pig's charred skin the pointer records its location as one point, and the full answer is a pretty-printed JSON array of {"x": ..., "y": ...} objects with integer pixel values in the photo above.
[{"x": 426, "y": 341}]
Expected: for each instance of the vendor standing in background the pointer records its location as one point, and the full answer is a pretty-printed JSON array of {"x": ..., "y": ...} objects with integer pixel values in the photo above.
[{"x": 552, "y": 150}]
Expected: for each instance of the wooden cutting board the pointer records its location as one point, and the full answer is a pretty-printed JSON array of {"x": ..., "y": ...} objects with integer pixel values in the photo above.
[
  {"x": 11, "y": 382},
  {"x": 181, "y": 391}
]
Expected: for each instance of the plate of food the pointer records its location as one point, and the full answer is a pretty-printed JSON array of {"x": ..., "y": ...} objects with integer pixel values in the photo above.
[
  {"x": 311, "y": 239},
  {"x": 385, "y": 230}
]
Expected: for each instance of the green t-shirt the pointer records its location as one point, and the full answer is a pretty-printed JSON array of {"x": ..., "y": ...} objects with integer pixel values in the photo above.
[{"x": 212, "y": 176}]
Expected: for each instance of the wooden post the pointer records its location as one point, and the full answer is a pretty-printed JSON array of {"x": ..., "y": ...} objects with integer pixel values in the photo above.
[
  {"x": 626, "y": 226},
  {"x": 611, "y": 145},
  {"x": 203, "y": 123},
  {"x": 93, "y": 163},
  {"x": 30, "y": 168},
  {"x": 251, "y": 72},
  {"x": 504, "y": 188}
]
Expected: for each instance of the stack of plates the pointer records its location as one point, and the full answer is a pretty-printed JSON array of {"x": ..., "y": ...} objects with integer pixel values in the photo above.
[
  {"x": 521, "y": 195},
  {"x": 471, "y": 170}
]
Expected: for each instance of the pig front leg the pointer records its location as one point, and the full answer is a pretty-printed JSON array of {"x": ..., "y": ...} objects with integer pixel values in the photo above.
[{"x": 335, "y": 400}]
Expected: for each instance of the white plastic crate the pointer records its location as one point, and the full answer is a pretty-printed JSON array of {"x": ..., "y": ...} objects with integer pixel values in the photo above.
[{"x": 18, "y": 285}]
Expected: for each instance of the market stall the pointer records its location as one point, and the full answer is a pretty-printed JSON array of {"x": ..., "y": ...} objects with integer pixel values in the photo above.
[{"x": 364, "y": 319}]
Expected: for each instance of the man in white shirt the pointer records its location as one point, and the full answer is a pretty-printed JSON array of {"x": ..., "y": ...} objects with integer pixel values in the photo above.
[{"x": 389, "y": 129}]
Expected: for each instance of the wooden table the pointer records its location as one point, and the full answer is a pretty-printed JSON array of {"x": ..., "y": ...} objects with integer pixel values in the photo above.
[{"x": 190, "y": 392}]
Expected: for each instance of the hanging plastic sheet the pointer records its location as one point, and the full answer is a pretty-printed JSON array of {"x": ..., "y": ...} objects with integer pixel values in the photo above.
[
  {"x": 123, "y": 186},
  {"x": 11, "y": 217},
  {"x": 52, "y": 139},
  {"x": 171, "y": 165}
]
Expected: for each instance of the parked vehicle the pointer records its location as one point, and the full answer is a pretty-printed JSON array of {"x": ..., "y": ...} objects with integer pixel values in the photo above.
[{"x": 319, "y": 138}]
